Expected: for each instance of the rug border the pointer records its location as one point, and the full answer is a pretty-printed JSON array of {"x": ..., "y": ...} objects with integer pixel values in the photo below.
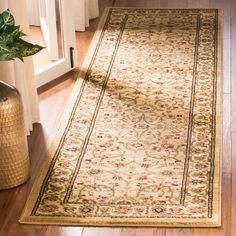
[{"x": 74, "y": 221}]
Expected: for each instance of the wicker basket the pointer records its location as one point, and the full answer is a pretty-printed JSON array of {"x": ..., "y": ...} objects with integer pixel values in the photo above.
[{"x": 14, "y": 161}]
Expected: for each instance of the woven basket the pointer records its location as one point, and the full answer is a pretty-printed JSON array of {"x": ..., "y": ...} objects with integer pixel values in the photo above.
[{"x": 14, "y": 161}]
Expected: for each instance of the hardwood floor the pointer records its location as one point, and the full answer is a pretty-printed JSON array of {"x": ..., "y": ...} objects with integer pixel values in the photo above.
[{"x": 53, "y": 98}]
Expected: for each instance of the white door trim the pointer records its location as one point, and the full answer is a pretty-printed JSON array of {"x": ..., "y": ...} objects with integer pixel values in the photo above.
[{"x": 63, "y": 65}]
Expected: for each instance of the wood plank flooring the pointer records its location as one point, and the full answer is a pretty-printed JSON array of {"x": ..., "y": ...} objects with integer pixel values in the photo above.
[{"x": 53, "y": 98}]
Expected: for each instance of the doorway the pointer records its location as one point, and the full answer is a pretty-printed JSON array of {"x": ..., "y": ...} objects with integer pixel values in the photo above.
[{"x": 52, "y": 26}]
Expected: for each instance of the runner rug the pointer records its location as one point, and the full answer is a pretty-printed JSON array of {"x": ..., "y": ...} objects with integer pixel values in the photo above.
[{"x": 140, "y": 140}]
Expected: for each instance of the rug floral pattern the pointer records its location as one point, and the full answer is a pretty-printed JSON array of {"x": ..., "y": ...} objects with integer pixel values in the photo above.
[{"x": 140, "y": 143}]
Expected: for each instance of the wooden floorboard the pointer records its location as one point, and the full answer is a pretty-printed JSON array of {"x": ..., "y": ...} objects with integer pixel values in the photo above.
[
  {"x": 63, "y": 231},
  {"x": 233, "y": 47},
  {"x": 227, "y": 144},
  {"x": 93, "y": 231},
  {"x": 143, "y": 232},
  {"x": 227, "y": 65},
  {"x": 199, "y": 4},
  {"x": 233, "y": 207},
  {"x": 233, "y": 102},
  {"x": 179, "y": 232},
  {"x": 53, "y": 98}
]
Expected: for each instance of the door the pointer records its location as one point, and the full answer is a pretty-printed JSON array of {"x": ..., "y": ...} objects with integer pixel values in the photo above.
[
  {"x": 49, "y": 26},
  {"x": 54, "y": 29}
]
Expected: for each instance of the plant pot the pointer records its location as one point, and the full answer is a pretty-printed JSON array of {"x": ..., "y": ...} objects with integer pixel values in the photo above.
[{"x": 14, "y": 161}]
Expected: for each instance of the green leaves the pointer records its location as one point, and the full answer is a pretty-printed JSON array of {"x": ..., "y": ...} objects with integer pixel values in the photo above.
[
  {"x": 6, "y": 19},
  {"x": 11, "y": 44}
]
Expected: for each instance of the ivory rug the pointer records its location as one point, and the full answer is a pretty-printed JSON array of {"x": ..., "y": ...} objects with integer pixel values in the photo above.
[{"x": 140, "y": 140}]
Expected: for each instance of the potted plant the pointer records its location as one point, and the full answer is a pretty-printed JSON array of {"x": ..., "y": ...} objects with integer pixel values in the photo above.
[
  {"x": 11, "y": 44},
  {"x": 14, "y": 162}
]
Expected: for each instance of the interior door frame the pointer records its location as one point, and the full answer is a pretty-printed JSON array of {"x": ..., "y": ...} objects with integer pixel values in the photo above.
[
  {"x": 48, "y": 25},
  {"x": 65, "y": 64}
]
